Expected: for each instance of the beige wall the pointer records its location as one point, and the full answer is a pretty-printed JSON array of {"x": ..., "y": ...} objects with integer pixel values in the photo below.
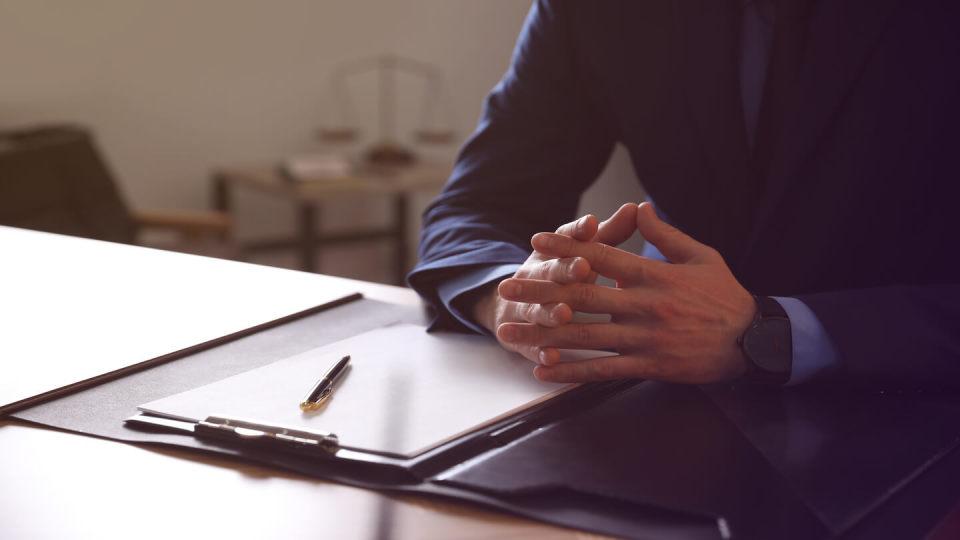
[{"x": 174, "y": 87}]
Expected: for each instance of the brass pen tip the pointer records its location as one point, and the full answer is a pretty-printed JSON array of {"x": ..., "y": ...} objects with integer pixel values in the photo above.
[
  {"x": 310, "y": 406},
  {"x": 307, "y": 406}
]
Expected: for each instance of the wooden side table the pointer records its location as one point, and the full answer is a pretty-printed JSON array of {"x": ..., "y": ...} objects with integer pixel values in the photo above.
[{"x": 398, "y": 183}]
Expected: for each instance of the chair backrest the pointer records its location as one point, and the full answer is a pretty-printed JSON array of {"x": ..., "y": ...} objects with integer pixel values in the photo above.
[{"x": 53, "y": 179}]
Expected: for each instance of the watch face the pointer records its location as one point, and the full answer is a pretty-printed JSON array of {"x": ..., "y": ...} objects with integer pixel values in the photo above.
[{"x": 769, "y": 345}]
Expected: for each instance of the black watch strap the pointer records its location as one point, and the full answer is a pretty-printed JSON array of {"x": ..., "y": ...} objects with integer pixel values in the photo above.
[
  {"x": 767, "y": 344},
  {"x": 768, "y": 307}
]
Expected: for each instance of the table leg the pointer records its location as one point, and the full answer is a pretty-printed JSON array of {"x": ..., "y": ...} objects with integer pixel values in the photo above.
[
  {"x": 307, "y": 222},
  {"x": 219, "y": 193},
  {"x": 221, "y": 201},
  {"x": 220, "y": 197},
  {"x": 400, "y": 210}
]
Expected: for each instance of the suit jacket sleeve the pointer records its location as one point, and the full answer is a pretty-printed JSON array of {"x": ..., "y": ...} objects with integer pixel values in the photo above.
[
  {"x": 540, "y": 142},
  {"x": 896, "y": 337}
]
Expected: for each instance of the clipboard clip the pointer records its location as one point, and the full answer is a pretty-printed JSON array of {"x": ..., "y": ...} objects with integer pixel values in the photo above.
[{"x": 245, "y": 431}]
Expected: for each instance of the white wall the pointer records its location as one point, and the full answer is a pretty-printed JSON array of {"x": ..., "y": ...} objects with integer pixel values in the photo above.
[{"x": 174, "y": 87}]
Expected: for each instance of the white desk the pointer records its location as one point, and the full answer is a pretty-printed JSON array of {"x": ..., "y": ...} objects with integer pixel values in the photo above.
[{"x": 61, "y": 485}]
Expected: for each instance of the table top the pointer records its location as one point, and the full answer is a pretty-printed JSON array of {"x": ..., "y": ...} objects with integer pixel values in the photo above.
[
  {"x": 113, "y": 305},
  {"x": 365, "y": 180},
  {"x": 62, "y": 485}
]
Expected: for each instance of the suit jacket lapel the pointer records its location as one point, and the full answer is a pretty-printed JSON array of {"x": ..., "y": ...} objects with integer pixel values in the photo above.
[{"x": 842, "y": 33}]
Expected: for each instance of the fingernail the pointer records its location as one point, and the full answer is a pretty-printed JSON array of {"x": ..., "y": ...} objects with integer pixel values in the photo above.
[
  {"x": 508, "y": 333},
  {"x": 541, "y": 373},
  {"x": 542, "y": 356},
  {"x": 547, "y": 241},
  {"x": 511, "y": 288},
  {"x": 581, "y": 223}
]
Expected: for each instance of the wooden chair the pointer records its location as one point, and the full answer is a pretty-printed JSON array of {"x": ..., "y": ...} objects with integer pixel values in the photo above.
[{"x": 54, "y": 179}]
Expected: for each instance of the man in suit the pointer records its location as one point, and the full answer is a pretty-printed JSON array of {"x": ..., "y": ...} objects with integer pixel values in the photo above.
[{"x": 803, "y": 159}]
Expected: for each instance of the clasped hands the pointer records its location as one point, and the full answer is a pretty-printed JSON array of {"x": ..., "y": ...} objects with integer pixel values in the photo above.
[{"x": 673, "y": 321}]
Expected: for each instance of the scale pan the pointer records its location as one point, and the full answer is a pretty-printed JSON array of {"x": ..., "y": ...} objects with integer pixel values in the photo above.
[
  {"x": 429, "y": 136},
  {"x": 337, "y": 134}
]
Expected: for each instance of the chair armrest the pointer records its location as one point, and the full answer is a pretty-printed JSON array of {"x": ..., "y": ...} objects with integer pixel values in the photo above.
[{"x": 187, "y": 223}]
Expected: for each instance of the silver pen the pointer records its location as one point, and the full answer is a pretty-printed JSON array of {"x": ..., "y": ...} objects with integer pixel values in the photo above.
[{"x": 322, "y": 391}]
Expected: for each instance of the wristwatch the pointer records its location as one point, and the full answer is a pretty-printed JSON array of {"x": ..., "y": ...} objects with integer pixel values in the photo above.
[{"x": 767, "y": 344}]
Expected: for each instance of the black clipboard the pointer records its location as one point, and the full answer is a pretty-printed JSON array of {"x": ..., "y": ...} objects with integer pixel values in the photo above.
[
  {"x": 642, "y": 460},
  {"x": 244, "y": 433},
  {"x": 437, "y": 472}
]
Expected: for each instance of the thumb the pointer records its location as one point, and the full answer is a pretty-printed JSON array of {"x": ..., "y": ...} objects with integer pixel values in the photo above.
[
  {"x": 619, "y": 227},
  {"x": 583, "y": 229},
  {"x": 676, "y": 246}
]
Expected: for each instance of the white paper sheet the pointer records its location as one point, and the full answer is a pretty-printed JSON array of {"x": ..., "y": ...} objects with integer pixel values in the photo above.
[{"x": 406, "y": 391}]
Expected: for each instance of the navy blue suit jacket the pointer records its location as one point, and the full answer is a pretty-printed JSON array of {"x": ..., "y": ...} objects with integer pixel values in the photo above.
[{"x": 858, "y": 213}]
